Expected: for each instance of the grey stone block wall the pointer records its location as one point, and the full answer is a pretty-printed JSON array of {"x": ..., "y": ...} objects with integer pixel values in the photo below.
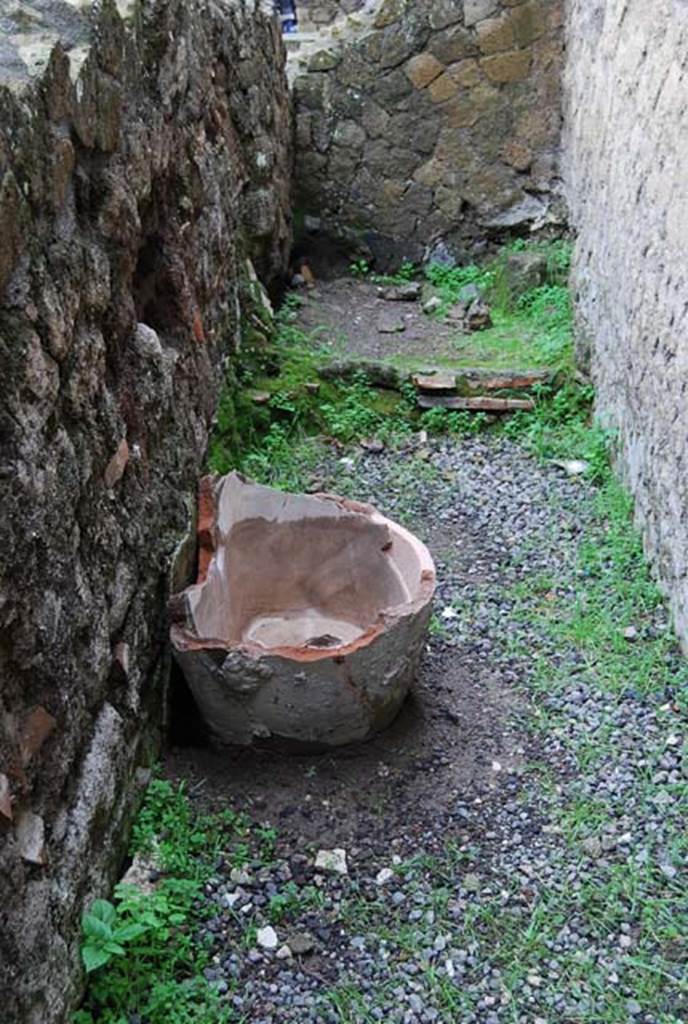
[
  {"x": 314, "y": 14},
  {"x": 425, "y": 127},
  {"x": 141, "y": 165},
  {"x": 627, "y": 174}
]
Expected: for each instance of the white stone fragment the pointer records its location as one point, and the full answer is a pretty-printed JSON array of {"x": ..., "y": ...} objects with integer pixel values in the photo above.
[
  {"x": 332, "y": 860},
  {"x": 572, "y": 467},
  {"x": 31, "y": 838},
  {"x": 267, "y": 938}
]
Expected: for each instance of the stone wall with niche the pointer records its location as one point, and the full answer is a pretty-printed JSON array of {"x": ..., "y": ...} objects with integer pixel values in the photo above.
[
  {"x": 424, "y": 128},
  {"x": 141, "y": 165},
  {"x": 626, "y": 147}
]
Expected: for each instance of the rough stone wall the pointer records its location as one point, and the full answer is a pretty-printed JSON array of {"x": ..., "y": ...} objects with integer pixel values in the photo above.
[
  {"x": 426, "y": 127},
  {"x": 140, "y": 166},
  {"x": 314, "y": 14},
  {"x": 627, "y": 161}
]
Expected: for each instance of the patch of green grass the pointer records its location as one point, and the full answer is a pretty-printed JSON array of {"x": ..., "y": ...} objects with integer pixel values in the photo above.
[
  {"x": 452, "y": 1000},
  {"x": 181, "y": 842},
  {"x": 530, "y": 330},
  {"x": 450, "y": 281},
  {"x": 614, "y": 590},
  {"x": 445, "y": 421},
  {"x": 291, "y": 901},
  {"x": 143, "y": 949},
  {"x": 355, "y": 416},
  {"x": 561, "y": 427}
]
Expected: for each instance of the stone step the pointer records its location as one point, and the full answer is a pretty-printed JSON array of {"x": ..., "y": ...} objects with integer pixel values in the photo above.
[
  {"x": 470, "y": 379},
  {"x": 437, "y": 382},
  {"x": 480, "y": 403}
]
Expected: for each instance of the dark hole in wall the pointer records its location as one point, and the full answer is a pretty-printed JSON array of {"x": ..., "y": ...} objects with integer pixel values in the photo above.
[
  {"x": 186, "y": 727},
  {"x": 156, "y": 296},
  {"x": 327, "y": 257}
]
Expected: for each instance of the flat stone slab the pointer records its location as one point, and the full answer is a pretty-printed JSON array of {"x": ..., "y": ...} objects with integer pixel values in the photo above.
[
  {"x": 410, "y": 292},
  {"x": 505, "y": 380},
  {"x": 438, "y": 382},
  {"x": 391, "y": 325},
  {"x": 481, "y": 403}
]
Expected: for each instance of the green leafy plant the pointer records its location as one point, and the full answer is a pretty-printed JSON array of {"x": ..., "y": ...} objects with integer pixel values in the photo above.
[
  {"x": 549, "y": 306},
  {"x": 284, "y": 903},
  {"x": 104, "y": 935},
  {"x": 359, "y": 268}
]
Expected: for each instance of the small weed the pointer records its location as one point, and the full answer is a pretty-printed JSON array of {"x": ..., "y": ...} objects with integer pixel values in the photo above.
[
  {"x": 359, "y": 268},
  {"x": 267, "y": 839},
  {"x": 353, "y": 416},
  {"x": 437, "y": 628},
  {"x": 284, "y": 904},
  {"x": 105, "y": 935}
]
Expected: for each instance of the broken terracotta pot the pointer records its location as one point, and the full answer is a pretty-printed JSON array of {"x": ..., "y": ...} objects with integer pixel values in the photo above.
[{"x": 310, "y": 620}]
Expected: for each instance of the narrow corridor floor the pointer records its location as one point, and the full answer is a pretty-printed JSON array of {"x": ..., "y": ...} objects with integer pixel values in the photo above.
[{"x": 515, "y": 843}]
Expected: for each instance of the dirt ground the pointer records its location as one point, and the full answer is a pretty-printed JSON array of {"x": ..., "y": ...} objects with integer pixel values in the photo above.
[{"x": 352, "y": 312}]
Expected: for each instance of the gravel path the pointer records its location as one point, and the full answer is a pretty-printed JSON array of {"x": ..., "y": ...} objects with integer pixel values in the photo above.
[{"x": 514, "y": 844}]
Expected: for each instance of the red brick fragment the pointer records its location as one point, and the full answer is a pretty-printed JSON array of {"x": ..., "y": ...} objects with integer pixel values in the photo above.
[
  {"x": 199, "y": 333},
  {"x": 206, "y": 520}
]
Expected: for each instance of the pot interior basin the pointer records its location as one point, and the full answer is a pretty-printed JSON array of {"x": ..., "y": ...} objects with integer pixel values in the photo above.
[{"x": 298, "y": 571}]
